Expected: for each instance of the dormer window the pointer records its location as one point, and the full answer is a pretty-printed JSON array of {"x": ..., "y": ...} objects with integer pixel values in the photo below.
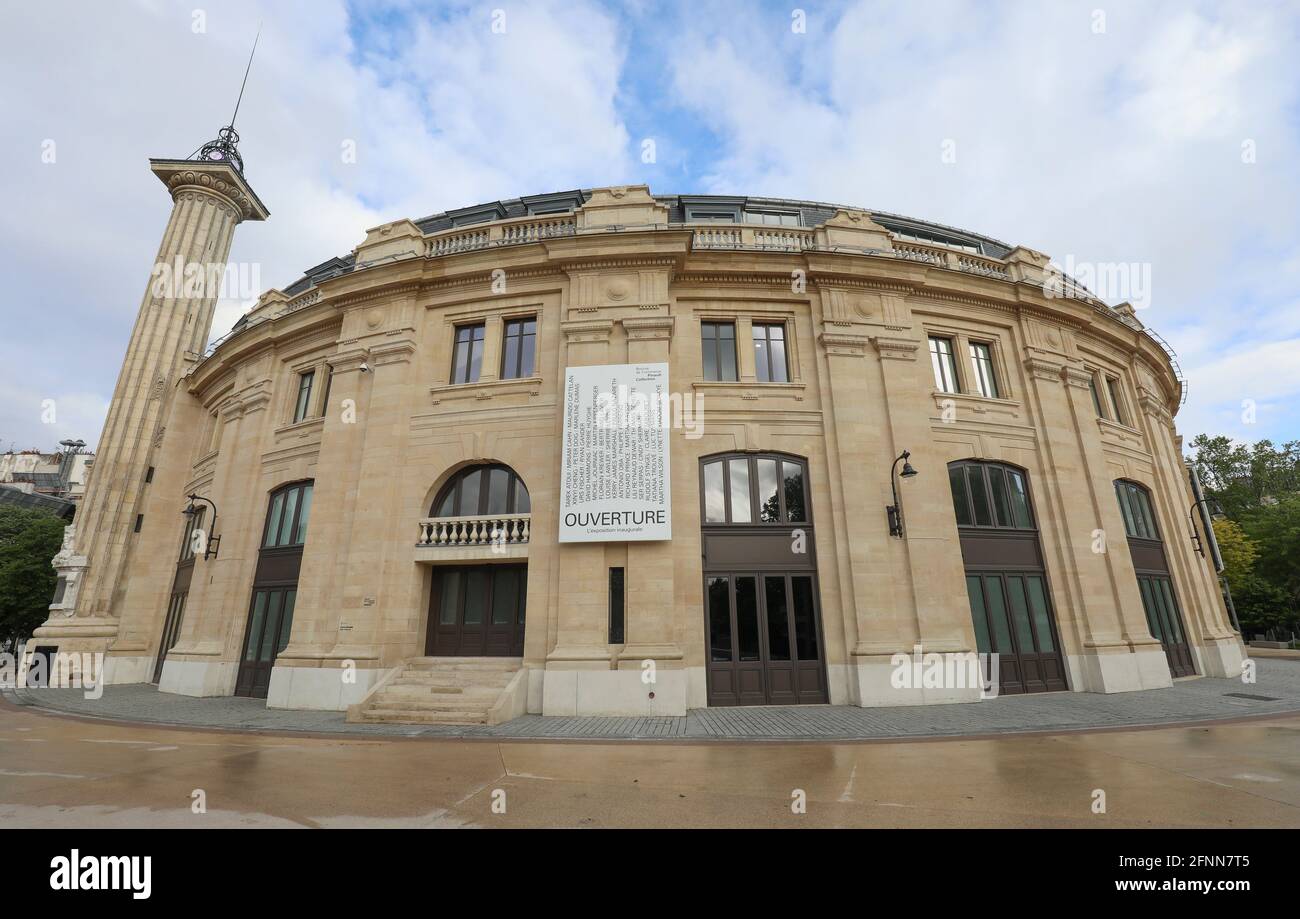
[{"x": 772, "y": 217}]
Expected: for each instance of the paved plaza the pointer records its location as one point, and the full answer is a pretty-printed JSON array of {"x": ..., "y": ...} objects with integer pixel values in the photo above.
[{"x": 1275, "y": 692}]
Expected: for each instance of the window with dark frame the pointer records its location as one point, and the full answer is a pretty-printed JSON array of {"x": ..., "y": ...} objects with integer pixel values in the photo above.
[
  {"x": 944, "y": 363},
  {"x": 480, "y": 490},
  {"x": 325, "y": 398},
  {"x": 981, "y": 360},
  {"x": 754, "y": 489},
  {"x": 718, "y": 346},
  {"x": 519, "y": 348},
  {"x": 286, "y": 521},
  {"x": 990, "y": 495},
  {"x": 769, "y": 352},
  {"x": 467, "y": 354},
  {"x": 616, "y": 607},
  {"x": 1096, "y": 396},
  {"x": 1135, "y": 507},
  {"x": 1117, "y": 400},
  {"x": 303, "y": 404}
]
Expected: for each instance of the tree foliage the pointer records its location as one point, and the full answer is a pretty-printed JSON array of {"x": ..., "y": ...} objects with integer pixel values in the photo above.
[
  {"x": 1258, "y": 488},
  {"x": 29, "y": 540}
]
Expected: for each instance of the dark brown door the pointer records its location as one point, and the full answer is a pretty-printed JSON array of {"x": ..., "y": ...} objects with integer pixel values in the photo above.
[
  {"x": 171, "y": 631},
  {"x": 1165, "y": 622},
  {"x": 764, "y": 639},
  {"x": 1012, "y": 615},
  {"x": 477, "y": 611},
  {"x": 270, "y": 618}
]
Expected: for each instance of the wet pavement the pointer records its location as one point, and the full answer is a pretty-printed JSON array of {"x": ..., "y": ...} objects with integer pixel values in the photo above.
[
  {"x": 1275, "y": 692},
  {"x": 57, "y": 770}
]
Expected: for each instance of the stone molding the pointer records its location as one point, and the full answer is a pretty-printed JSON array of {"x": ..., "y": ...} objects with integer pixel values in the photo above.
[
  {"x": 895, "y": 349},
  {"x": 844, "y": 344}
]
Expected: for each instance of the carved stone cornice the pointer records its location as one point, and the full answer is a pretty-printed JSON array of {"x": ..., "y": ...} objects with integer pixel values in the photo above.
[
  {"x": 649, "y": 328},
  {"x": 1075, "y": 376},
  {"x": 895, "y": 349},
  {"x": 845, "y": 344},
  {"x": 392, "y": 352},
  {"x": 587, "y": 330},
  {"x": 1042, "y": 369}
]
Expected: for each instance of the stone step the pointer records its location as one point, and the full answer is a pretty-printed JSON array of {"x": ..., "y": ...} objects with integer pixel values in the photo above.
[
  {"x": 450, "y": 664},
  {"x": 418, "y": 705},
  {"x": 441, "y": 692},
  {"x": 453, "y": 680},
  {"x": 413, "y": 717}
]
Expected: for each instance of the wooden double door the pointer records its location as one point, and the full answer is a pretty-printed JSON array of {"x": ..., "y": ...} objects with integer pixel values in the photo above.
[
  {"x": 477, "y": 611},
  {"x": 764, "y": 639}
]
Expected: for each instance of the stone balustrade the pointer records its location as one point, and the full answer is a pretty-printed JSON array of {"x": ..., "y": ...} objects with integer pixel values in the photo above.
[{"x": 487, "y": 530}]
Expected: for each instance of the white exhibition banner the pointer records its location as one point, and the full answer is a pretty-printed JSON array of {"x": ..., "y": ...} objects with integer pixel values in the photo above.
[{"x": 614, "y": 485}]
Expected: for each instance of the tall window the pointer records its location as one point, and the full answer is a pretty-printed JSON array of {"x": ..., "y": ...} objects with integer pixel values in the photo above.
[
  {"x": 482, "y": 490},
  {"x": 325, "y": 399},
  {"x": 981, "y": 362},
  {"x": 303, "y": 405},
  {"x": 769, "y": 353},
  {"x": 519, "y": 350},
  {"x": 1096, "y": 396},
  {"x": 286, "y": 523},
  {"x": 1117, "y": 400},
  {"x": 467, "y": 355},
  {"x": 616, "y": 607},
  {"x": 945, "y": 367},
  {"x": 754, "y": 489},
  {"x": 718, "y": 343},
  {"x": 1135, "y": 506},
  {"x": 990, "y": 495}
]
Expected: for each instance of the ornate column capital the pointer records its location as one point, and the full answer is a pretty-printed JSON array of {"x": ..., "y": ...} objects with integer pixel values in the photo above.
[
  {"x": 844, "y": 344},
  {"x": 215, "y": 178}
]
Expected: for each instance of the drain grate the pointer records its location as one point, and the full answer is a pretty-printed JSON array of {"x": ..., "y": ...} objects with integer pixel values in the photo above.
[{"x": 1246, "y": 695}]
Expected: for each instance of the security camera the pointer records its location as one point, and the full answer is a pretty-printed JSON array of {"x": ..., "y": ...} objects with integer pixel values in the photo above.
[{"x": 365, "y": 368}]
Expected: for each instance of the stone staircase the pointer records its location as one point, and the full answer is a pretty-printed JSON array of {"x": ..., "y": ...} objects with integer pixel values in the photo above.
[{"x": 447, "y": 690}]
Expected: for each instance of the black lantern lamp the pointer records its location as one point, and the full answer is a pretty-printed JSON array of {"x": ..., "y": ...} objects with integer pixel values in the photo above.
[
  {"x": 894, "y": 511},
  {"x": 213, "y": 542}
]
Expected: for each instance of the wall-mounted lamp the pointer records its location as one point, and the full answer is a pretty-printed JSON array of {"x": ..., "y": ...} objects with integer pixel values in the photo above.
[
  {"x": 894, "y": 511},
  {"x": 211, "y": 543},
  {"x": 1210, "y": 509}
]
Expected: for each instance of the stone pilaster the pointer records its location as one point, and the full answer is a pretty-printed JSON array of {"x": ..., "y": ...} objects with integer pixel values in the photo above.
[{"x": 1108, "y": 646}]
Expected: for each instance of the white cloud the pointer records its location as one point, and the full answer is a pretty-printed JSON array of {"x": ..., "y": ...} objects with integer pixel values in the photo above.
[{"x": 456, "y": 115}]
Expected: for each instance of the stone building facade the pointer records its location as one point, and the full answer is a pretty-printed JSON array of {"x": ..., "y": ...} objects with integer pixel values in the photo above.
[{"x": 381, "y": 442}]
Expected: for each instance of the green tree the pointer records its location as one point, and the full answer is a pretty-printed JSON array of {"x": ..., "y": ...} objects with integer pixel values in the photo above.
[
  {"x": 1244, "y": 477},
  {"x": 29, "y": 540}
]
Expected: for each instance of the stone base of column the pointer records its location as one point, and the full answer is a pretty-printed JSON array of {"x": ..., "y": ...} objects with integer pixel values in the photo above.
[
  {"x": 329, "y": 687},
  {"x": 1119, "y": 668},
  {"x": 199, "y": 677},
  {"x": 880, "y": 680},
  {"x": 1222, "y": 657},
  {"x": 568, "y": 689}
]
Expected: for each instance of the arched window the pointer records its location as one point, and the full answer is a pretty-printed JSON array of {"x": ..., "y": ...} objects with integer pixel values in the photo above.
[
  {"x": 990, "y": 495},
  {"x": 286, "y": 521},
  {"x": 1135, "y": 506},
  {"x": 754, "y": 489},
  {"x": 481, "y": 490}
]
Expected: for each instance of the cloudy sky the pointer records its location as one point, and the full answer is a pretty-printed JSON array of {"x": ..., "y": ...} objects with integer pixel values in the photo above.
[{"x": 1157, "y": 138}]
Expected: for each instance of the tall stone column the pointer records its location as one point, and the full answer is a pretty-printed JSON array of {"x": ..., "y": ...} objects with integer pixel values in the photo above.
[{"x": 173, "y": 323}]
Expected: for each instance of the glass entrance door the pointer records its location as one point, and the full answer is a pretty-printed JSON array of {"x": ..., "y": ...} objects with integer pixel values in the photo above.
[
  {"x": 269, "y": 620},
  {"x": 764, "y": 641},
  {"x": 1012, "y": 618}
]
